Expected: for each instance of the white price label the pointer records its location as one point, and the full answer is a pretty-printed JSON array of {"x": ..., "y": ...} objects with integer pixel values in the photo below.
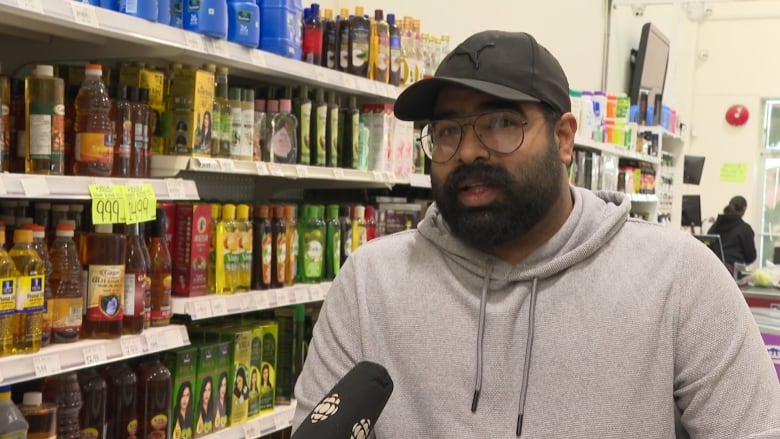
[
  {"x": 94, "y": 354},
  {"x": 302, "y": 171},
  {"x": 378, "y": 176},
  {"x": 281, "y": 422},
  {"x": 176, "y": 189},
  {"x": 252, "y": 430},
  {"x": 275, "y": 170},
  {"x": 219, "y": 306},
  {"x": 258, "y": 57},
  {"x": 156, "y": 343},
  {"x": 287, "y": 296},
  {"x": 262, "y": 168},
  {"x": 390, "y": 177},
  {"x": 200, "y": 309},
  {"x": 419, "y": 180},
  {"x": 338, "y": 173},
  {"x": 46, "y": 365},
  {"x": 36, "y": 186},
  {"x": 302, "y": 295},
  {"x": 317, "y": 292},
  {"x": 173, "y": 337},
  {"x": 218, "y": 47},
  {"x": 321, "y": 74},
  {"x": 273, "y": 298},
  {"x": 194, "y": 41},
  {"x": 246, "y": 302},
  {"x": 261, "y": 300},
  {"x": 131, "y": 347},
  {"x": 349, "y": 81},
  {"x": 85, "y": 14},
  {"x": 31, "y": 5},
  {"x": 227, "y": 165},
  {"x": 205, "y": 164}
]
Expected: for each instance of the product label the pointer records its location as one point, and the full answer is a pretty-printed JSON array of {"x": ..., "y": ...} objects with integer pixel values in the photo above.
[
  {"x": 281, "y": 144},
  {"x": 335, "y": 245},
  {"x": 105, "y": 292},
  {"x": 40, "y": 129},
  {"x": 29, "y": 293},
  {"x": 127, "y": 135},
  {"x": 132, "y": 427},
  {"x": 333, "y": 139},
  {"x": 244, "y": 21},
  {"x": 347, "y": 242},
  {"x": 322, "y": 122},
  {"x": 355, "y": 122},
  {"x": 226, "y": 127},
  {"x": 16, "y": 435},
  {"x": 344, "y": 51},
  {"x": 247, "y": 132},
  {"x": 267, "y": 251},
  {"x": 161, "y": 287},
  {"x": 292, "y": 260},
  {"x": 7, "y": 295},
  {"x": 281, "y": 257},
  {"x": 395, "y": 61},
  {"x": 237, "y": 132},
  {"x": 360, "y": 48},
  {"x": 5, "y": 133},
  {"x": 135, "y": 286},
  {"x": 159, "y": 424},
  {"x": 66, "y": 313},
  {"x": 139, "y": 139},
  {"x": 94, "y": 148},
  {"x": 245, "y": 252},
  {"x": 312, "y": 256},
  {"x": 305, "y": 132},
  {"x": 90, "y": 433}
]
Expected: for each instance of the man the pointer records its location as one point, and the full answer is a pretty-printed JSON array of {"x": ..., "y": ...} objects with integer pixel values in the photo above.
[{"x": 525, "y": 307}]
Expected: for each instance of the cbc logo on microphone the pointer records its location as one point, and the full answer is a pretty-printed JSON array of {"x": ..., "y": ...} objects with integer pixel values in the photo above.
[
  {"x": 326, "y": 408},
  {"x": 361, "y": 429}
]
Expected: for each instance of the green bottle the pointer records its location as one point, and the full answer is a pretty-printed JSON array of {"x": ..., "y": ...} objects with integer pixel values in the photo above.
[
  {"x": 311, "y": 232},
  {"x": 332, "y": 243}
]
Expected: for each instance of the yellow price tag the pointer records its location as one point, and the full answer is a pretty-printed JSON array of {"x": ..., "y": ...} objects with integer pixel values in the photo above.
[
  {"x": 149, "y": 211},
  {"x": 138, "y": 204},
  {"x": 108, "y": 203}
]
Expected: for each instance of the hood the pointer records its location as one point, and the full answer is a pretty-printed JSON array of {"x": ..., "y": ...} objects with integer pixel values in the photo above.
[
  {"x": 594, "y": 219},
  {"x": 724, "y": 223}
]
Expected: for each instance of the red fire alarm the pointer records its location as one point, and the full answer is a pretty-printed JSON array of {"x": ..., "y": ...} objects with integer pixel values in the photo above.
[{"x": 737, "y": 115}]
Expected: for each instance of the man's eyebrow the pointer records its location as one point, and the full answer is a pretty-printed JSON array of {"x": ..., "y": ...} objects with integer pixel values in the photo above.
[{"x": 497, "y": 104}]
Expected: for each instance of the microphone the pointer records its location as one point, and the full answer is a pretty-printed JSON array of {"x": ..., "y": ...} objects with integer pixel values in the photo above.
[{"x": 351, "y": 408}]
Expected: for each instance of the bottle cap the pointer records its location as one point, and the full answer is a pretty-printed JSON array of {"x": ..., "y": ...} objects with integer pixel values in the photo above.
[
  {"x": 285, "y": 106},
  {"x": 242, "y": 211},
  {"x": 59, "y": 208},
  {"x": 223, "y": 71},
  {"x": 327, "y": 13},
  {"x": 216, "y": 209},
  {"x": 272, "y": 106},
  {"x": 93, "y": 70},
  {"x": 261, "y": 211},
  {"x": 391, "y": 19},
  {"x": 23, "y": 236},
  {"x": 65, "y": 230},
  {"x": 289, "y": 212},
  {"x": 279, "y": 211},
  {"x": 333, "y": 211},
  {"x": 260, "y": 105},
  {"x": 248, "y": 95},
  {"x": 43, "y": 70},
  {"x": 32, "y": 398},
  {"x": 234, "y": 94},
  {"x": 359, "y": 10},
  {"x": 344, "y": 211},
  {"x": 210, "y": 67},
  {"x": 379, "y": 15},
  {"x": 359, "y": 212},
  {"x": 228, "y": 211},
  {"x": 344, "y": 12},
  {"x": 369, "y": 212}
]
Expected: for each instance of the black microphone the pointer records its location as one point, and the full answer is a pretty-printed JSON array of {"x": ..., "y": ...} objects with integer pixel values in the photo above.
[{"x": 351, "y": 408}]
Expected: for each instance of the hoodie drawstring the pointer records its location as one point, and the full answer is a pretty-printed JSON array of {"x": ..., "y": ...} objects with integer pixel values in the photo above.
[
  {"x": 480, "y": 337},
  {"x": 526, "y": 367}
]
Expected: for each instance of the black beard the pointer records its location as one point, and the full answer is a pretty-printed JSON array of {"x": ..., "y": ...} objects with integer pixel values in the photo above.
[{"x": 526, "y": 200}]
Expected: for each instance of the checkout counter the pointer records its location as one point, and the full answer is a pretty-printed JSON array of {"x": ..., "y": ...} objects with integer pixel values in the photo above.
[{"x": 765, "y": 305}]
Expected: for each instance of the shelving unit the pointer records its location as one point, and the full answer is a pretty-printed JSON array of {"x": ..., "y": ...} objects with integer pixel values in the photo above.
[
  {"x": 267, "y": 423},
  {"x": 62, "y": 187}
]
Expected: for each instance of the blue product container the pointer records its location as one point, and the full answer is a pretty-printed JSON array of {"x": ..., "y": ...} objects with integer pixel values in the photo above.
[
  {"x": 208, "y": 17},
  {"x": 280, "y": 27},
  {"x": 164, "y": 12},
  {"x": 89, "y": 2},
  {"x": 243, "y": 22},
  {"x": 146, "y": 9},
  {"x": 177, "y": 13},
  {"x": 110, "y": 4}
]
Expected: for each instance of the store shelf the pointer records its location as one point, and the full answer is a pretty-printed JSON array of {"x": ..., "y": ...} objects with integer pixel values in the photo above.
[
  {"x": 644, "y": 198},
  {"x": 616, "y": 150},
  {"x": 661, "y": 131},
  {"x": 59, "y": 358},
  {"x": 213, "y": 305},
  {"x": 64, "y": 187},
  {"x": 69, "y": 30},
  {"x": 265, "y": 424}
]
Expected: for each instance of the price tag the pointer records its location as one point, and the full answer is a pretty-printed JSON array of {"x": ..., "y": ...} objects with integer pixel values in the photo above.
[
  {"x": 275, "y": 170},
  {"x": 194, "y": 41},
  {"x": 108, "y": 203},
  {"x": 273, "y": 298},
  {"x": 302, "y": 295},
  {"x": 247, "y": 302},
  {"x": 281, "y": 422},
  {"x": 156, "y": 343},
  {"x": 419, "y": 180},
  {"x": 219, "y": 306},
  {"x": 94, "y": 354},
  {"x": 262, "y": 168},
  {"x": 176, "y": 189},
  {"x": 200, "y": 309},
  {"x": 173, "y": 338},
  {"x": 35, "y": 186},
  {"x": 131, "y": 347},
  {"x": 218, "y": 47},
  {"x": 390, "y": 177},
  {"x": 302, "y": 171},
  {"x": 349, "y": 81},
  {"x": 31, "y": 5},
  {"x": 287, "y": 297},
  {"x": 321, "y": 74},
  {"x": 140, "y": 205},
  {"x": 378, "y": 176},
  {"x": 317, "y": 292},
  {"x": 261, "y": 300},
  {"x": 46, "y": 365},
  {"x": 258, "y": 58},
  {"x": 252, "y": 430},
  {"x": 227, "y": 165},
  {"x": 85, "y": 14},
  {"x": 338, "y": 173},
  {"x": 149, "y": 211},
  {"x": 205, "y": 164}
]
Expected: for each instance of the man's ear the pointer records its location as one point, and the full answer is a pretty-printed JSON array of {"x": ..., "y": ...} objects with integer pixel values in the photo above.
[{"x": 565, "y": 129}]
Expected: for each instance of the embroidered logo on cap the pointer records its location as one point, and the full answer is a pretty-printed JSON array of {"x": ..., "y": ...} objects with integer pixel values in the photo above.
[{"x": 473, "y": 54}]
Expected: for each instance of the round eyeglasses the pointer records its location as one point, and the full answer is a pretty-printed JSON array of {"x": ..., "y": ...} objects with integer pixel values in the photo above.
[{"x": 499, "y": 131}]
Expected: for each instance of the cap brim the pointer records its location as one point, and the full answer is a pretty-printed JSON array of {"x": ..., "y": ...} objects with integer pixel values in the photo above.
[{"x": 418, "y": 100}]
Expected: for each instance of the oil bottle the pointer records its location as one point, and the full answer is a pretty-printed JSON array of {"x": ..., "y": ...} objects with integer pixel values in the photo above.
[
  {"x": 44, "y": 121},
  {"x": 379, "y": 56},
  {"x": 154, "y": 399},
  {"x": 8, "y": 281},
  {"x": 94, "y": 145},
  {"x": 359, "y": 43},
  {"x": 67, "y": 286},
  {"x": 244, "y": 231},
  {"x": 93, "y": 404},
  {"x": 28, "y": 323},
  {"x": 121, "y": 408},
  {"x": 261, "y": 249},
  {"x": 64, "y": 390},
  {"x": 135, "y": 282},
  {"x": 42, "y": 416},
  {"x": 39, "y": 244},
  {"x": 103, "y": 255},
  {"x": 278, "y": 248},
  {"x": 226, "y": 274},
  {"x": 12, "y": 423},
  {"x": 161, "y": 268}
]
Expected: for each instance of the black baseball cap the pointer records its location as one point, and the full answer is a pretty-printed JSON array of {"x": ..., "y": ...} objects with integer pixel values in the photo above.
[{"x": 508, "y": 65}]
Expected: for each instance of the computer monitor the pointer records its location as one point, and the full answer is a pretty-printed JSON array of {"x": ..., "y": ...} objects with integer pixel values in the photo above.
[
  {"x": 713, "y": 242},
  {"x": 649, "y": 66},
  {"x": 691, "y": 211},
  {"x": 693, "y": 167}
]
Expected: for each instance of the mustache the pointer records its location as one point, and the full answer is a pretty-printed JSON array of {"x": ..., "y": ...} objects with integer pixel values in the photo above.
[{"x": 489, "y": 174}]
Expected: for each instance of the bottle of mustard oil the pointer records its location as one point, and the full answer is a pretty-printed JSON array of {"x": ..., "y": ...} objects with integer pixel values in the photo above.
[
  {"x": 244, "y": 231},
  {"x": 8, "y": 275},
  {"x": 103, "y": 256},
  {"x": 227, "y": 252},
  {"x": 28, "y": 324}
]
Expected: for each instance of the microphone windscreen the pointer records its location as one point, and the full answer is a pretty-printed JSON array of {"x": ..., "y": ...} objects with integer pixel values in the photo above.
[{"x": 351, "y": 408}]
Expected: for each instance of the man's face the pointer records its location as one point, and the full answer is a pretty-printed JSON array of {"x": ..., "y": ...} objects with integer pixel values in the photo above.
[{"x": 489, "y": 198}]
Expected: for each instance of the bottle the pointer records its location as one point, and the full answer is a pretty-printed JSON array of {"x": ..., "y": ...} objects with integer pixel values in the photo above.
[
  {"x": 359, "y": 43},
  {"x": 93, "y": 404},
  {"x": 18, "y": 131},
  {"x": 370, "y": 223},
  {"x": 332, "y": 132},
  {"x": 318, "y": 131},
  {"x": 379, "y": 56},
  {"x": 121, "y": 408},
  {"x": 94, "y": 145},
  {"x": 103, "y": 256},
  {"x": 222, "y": 120},
  {"x": 12, "y": 422},
  {"x": 44, "y": 116},
  {"x": 30, "y": 285},
  {"x": 243, "y": 22},
  {"x": 330, "y": 41},
  {"x": 258, "y": 134},
  {"x": 244, "y": 231},
  {"x": 278, "y": 248},
  {"x": 261, "y": 249},
  {"x": 291, "y": 226},
  {"x": 247, "y": 124},
  {"x": 69, "y": 148},
  {"x": 64, "y": 391},
  {"x": 67, "y": 286},
  {"x": 311, "y": 232},
  {"x": 39, "y": 244},
  {"x": 302, "y": 110},
  {"x": 348, "y": 133},
  {"x": 216, "y": 210},
  {"x": 394, "y": 77},
  {"x": 345, "y": 227},
  {"x": 154, "y": 399},
  {"x": 135, "y": 282},
  {"x": 360, "y": 159},
  {"x": 121, "y": 114},
  {"x": 312, "y": 36},
  {"x": 5, "y": 123},
  {"x": 282, "y": 134},
  {"x": 226, "y": 256},
  {"x": 41, "y": 416},
  {"x": 141, "y": 113},
  {"x": 8, "y": 281},
  {"x": 237, "y": 126},
  {"x": 332, "y": 243},
  {"x": 42, "y": 216},
  {"x": 161, "y": 268},
  {"x": 358, "y": 227},
  {"x": 343, "y": 31},
  {"x": 147, "y": 282}
]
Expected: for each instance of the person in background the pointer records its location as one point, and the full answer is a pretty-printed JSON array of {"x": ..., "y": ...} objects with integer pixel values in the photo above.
[
  {"x": 523, "y": 306},
  {"x": 736, "y": 235}
]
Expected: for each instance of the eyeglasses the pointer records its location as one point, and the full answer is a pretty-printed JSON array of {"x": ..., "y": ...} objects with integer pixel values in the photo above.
[{"x": 499, "y": 131}]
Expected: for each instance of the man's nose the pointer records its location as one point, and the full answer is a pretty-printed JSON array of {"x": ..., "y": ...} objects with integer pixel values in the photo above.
[{"x": 471, "y": 147}]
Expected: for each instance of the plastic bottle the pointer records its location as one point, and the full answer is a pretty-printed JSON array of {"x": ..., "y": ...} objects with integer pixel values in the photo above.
[
  {"x": 247, "y": 124},
  {"x": 332, "y": 131},
  {"x": 41, "y": 416},
  {"x": 39, "y": 244},
  {"x": 29, "y": 317},
  {"x": 345, "y": 226},
  {"x": 12, "y": 422},
  {"x": 121, "y": 114},
  {"x": 359, "y": 43},
  {"x": 227, "y": 248},
  {"x": 67, "y": 286},
  {"x": 244, "y": 232},
  {"x": 94, "y": 145},
  {"x": 121, "y": 408},
  {"x": 396, "y": 61},
  {"x": 18, "y": 130},
  {"x": 44, "y": 116},
  {"x": 64, "y": 391},
  {"x": 5, "y": 123},
  {"x": 139, "y": 8},
  {"x": 243, "y": 22},
  {"x": 216, "y": 210},
  {"x": 292, "y": 244},
  {"x": 141, "y": 113},
  {"x": 135, "y": 282},
  {"x": 161, "y": 268},
  {"x": 236, "y": 118},
  {"x": 208, "y": 17},
  {"x": 379, "y": 55},
  {"x": 349, "y": 128},
  {"x": 154, "y": 399},
  {"x": 332, "y": 243},
  {"x": 358, "y": 226},
  {"x": 8, "y": 281},
  {"x": 278, "y": 248},
  {"x": 103, "y": 255},
  {"x": 330, "y": 40},
  {"x": 319, "y": 126},
  {"x": 342, "y": 29},
  {"x": 370, "y": 223},
  {"x": 261, "y": 248},
  {"x": 302, "y": 109},
  {"x": 164, "y": 12},
  {"x": 93, "y": 404},
  {"x": 282, "y": 141},
  {"x": 312, "y": 36},
  {"x": 258, "y": 133}
]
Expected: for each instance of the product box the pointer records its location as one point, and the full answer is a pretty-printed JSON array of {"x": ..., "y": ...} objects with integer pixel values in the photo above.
[
  {"x": 255, "y": 366},
  {"x": 183, "y": 366},
  {"x": 285, "y": 380},
  {"x": 191, "y": 250},
  {"x": 170, "y": 226},
  {"x": 402, "y": 152},
  {"x": 379, "y": 120},
  {"x": 240, "y": 339},
  {"x": 193, "y": 102},
  {"x": 269, "y": 333},
  {"x": 206, "y": 389},
  {"x": 154, "y": 81},
  {"x": 397, "y": 217},
  {"x": 223, "y": 382}
]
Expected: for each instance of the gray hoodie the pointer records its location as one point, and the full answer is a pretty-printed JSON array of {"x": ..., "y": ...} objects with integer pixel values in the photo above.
[{"x": 614, "y": 328}]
